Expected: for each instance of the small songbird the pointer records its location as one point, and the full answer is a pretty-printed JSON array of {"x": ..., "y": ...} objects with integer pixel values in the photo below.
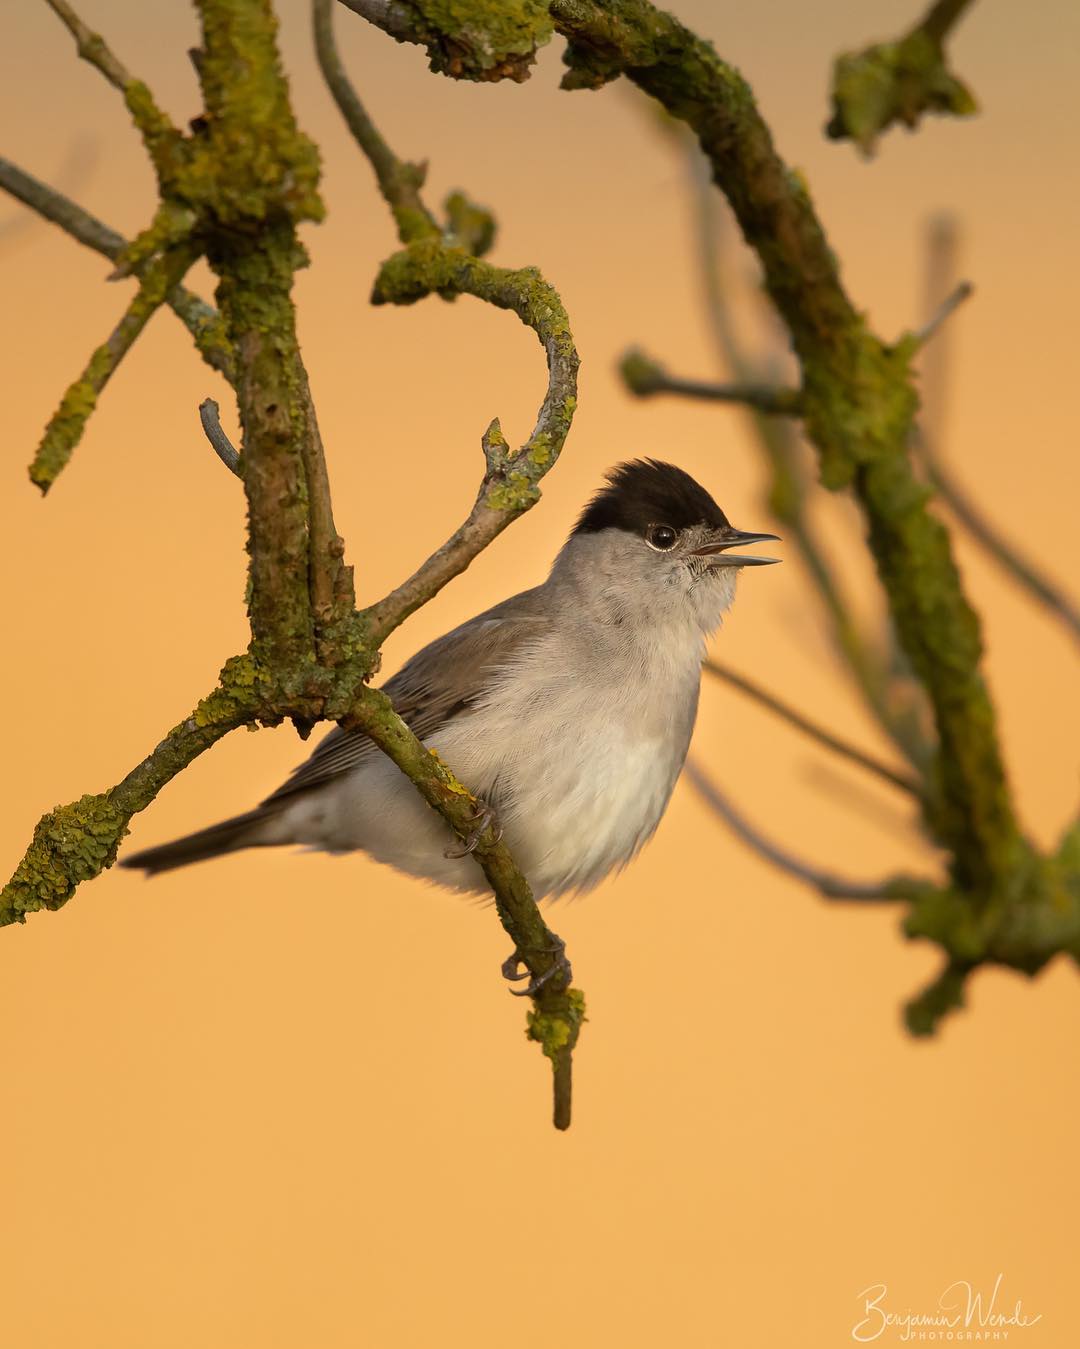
[{"x": 567, "y": 710}]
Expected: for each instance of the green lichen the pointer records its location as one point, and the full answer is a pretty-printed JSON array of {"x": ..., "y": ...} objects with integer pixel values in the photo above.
[
  {"x": 555, "y": 1028},
  {"x": 482, "y": 39},
  {"x": 468, "y": 225},
  {"x": 71, "y": 844},
  {"x": 893, "y": 82}
]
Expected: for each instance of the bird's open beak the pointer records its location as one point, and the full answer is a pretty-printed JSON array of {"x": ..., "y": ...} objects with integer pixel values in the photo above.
[{"x": 730, "y": 538}]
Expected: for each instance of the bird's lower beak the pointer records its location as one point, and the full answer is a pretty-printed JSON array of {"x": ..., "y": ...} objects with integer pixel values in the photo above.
[{"x": 731, "y": 538}]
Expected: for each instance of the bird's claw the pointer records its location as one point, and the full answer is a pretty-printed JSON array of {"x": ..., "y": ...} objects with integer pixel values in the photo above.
[
  {"x": 483, "y": 816},
  {"x": 536, "y": 983}
]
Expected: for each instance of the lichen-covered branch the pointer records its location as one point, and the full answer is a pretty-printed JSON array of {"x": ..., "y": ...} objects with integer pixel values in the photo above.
[
  {"x": 75, "y": 843},
  {"x": 202, "y": 321},
  {"x": 66, "y": 427},
  {"x": 560, "y": 1009},
  {"x": 466, "y": 41},
  {"x": 159, "y": 135},
  {"x": 510, "y": 484},
  {"x": 898, "y": 81}
]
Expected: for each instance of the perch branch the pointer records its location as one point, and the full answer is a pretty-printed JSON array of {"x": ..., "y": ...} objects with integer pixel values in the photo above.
[
  {"x": 810, "y": 728},
  {"x": 955, "y": 298}
]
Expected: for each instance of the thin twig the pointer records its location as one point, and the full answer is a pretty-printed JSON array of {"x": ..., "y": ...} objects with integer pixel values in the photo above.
[
  {"x": 226, "y": 451},
  {"x": 955, "y": 298},
  {"x": 392, "y": 16},
  {"x": 811, "y": 728},
  {"x": 399, "y": 181},
  {"x": 156, "y": 129},
  {"x": 644, "y": 376},
  {"x": 831, "y": 886},
  {"x": 942, "y": 250},
  {"x": 200, "y": 319},
  {"x": 941, "y": 17}
]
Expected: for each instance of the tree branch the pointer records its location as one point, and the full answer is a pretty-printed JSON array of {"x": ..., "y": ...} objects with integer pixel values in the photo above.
[
  {"x": 159, "y": 135},
  {"x": 824, "y": 737},
  {"x": 65, "y": 429},
  {"x": 644, "y": 377},
  {"x": 75, "y": 843},
  {"x": 202, "y": 321}
]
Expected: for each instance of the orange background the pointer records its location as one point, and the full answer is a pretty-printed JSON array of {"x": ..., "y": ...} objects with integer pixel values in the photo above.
[{"x": 285, "y": 1100}]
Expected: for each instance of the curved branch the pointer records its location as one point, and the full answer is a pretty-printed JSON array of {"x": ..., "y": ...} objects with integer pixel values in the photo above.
[
  {"x": 832, "y": 742},
  {"x": 510, "y": 483},
  {"x": 226, "y": 451}
]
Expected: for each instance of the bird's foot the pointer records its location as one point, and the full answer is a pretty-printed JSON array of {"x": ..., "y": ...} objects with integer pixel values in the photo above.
[
  {"x": 514, "y": 959},
  {"x": 483, "y": 816}
]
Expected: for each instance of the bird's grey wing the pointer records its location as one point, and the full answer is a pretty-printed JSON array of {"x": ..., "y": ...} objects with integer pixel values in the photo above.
[{"x": 439, "y": 683}]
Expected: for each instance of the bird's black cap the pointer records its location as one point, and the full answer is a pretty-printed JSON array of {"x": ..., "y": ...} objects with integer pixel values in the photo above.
[{"x": 644, "y": 492}]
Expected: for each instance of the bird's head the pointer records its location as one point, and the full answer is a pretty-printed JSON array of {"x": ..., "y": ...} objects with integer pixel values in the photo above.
[{"x": 655, "y": 544}]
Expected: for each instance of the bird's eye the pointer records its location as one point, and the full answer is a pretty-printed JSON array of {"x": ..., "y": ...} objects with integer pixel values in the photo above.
[{"x": 662, "y": 537}]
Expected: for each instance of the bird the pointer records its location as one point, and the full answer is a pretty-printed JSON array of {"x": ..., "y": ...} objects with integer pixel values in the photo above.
[{"x": 566, "y": 710}]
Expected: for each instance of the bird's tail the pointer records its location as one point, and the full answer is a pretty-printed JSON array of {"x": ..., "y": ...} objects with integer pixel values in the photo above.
[{"x": 242, "y": 831}]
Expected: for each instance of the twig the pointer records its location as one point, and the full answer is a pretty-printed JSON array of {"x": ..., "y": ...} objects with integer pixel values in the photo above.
[
  {"x": 392, "y": 16},
  {"x": 157, "y": 130},
  {"x": 831, "y": 886},
  {"x": 65, "y": 429},
  {"x": 942, "y": 250},
  {"x": 644, "y": 376},
  {"x": 226, "y": 451},
  {"x": 942, "y": 16},
  {"x": 200, "y": 319},
  {"x": 510, "y": 483},
  {"x": 956, "y": 297},
  {"x": 811, "y": 728},
  {"x": 399, "y": 181}
]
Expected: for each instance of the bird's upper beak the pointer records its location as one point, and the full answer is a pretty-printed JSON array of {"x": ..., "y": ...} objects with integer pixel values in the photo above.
[{"x": 730, "y": 538}]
